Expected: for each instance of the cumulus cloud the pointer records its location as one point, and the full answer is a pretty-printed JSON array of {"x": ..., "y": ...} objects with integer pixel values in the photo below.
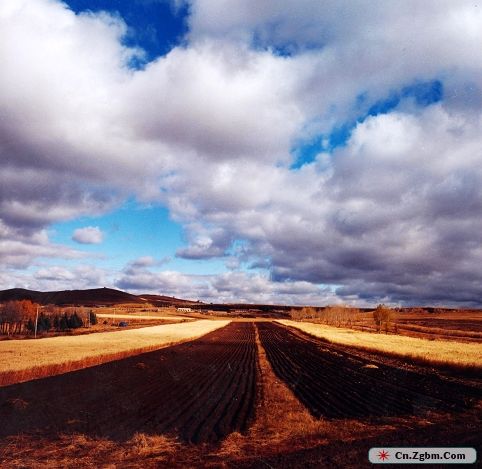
[
  {"x": 394, "y": 214},
  {"x": 20, "y": 248},
  {"x": 231, "y": 287},
  {"x": 214, "y": 128},
  {"x": 144, "y": 261},
  {"x": 88, "y": 235},
  {"x": 147, "y": 261},
  {"x": 81, "y": 276}
]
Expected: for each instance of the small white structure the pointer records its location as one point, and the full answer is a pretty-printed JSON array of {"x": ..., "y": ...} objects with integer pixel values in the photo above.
[{"x": 184, "y": 310}]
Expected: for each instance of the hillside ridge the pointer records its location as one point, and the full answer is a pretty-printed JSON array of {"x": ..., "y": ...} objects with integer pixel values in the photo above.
[{"x": 93, "y": 296}]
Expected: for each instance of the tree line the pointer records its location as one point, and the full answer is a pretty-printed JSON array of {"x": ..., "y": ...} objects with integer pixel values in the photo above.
[
  {"x": 24, "y": 316},
  {"x": 332, "y": 315},
  {"x": 345, "y": 316}
]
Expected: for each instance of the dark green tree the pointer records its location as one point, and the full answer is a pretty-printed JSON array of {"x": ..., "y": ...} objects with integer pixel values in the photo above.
[
  {"x": 93, "y": 318},
  {"x": 63, "y": 322},
  {"x": 75, "y": 321},
  {"x": 30, "y": 325},
  {"x": 44, "y": 323}
]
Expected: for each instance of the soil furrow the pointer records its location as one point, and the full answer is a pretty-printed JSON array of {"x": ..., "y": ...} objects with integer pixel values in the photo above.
[
  {"x": 138, "y": 394},
  {"x": 334, "y": 384}
]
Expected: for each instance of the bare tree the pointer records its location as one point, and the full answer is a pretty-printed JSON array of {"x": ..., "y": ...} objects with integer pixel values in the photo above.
[
  {"x": 337, "y": 315},
  {"x": 383, "y": 317},
  {"x": 14, "y": 315}
]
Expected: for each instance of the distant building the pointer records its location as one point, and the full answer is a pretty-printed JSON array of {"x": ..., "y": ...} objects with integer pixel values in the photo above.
[{"x": 184, "y": 310}]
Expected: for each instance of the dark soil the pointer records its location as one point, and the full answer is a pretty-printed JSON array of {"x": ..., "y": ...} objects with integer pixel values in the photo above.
[
  {"x": 199, "y": 391},
  {"x": 334, "y": 382}
]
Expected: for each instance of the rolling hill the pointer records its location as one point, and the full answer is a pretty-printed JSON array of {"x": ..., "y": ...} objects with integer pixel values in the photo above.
[{"x": 96, "y": 296}]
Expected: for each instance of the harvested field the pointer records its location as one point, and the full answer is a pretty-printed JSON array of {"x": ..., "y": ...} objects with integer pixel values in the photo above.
[
  {"x": 283, "y": 434},
  {"x": 134, "y": 316},
  {"x": 22, "y": 360},
  {"x": 198, "y": 391},
  {"x": 334, "y": 382},
  {"x": 104, "y": 325},
  {"x": 432, "y": 352},
  {"x": 459, "y": 325}
]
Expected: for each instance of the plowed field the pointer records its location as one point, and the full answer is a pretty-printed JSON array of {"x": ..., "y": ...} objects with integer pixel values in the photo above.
[
  {"x": 145, "y": 411},
  {"x": 334, "y": 382},
  {"x": 199, "y": 391}
]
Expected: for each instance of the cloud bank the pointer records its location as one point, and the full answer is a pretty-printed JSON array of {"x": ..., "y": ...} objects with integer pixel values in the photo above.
[{"x": 385, "y": 95}]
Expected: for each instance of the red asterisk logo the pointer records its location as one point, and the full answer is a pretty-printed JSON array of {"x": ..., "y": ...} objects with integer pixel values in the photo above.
[{"x": 383, "y": 455}]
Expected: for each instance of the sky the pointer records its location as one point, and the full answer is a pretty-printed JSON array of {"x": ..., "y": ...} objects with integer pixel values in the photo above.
[{"x": 296, "y": 152}]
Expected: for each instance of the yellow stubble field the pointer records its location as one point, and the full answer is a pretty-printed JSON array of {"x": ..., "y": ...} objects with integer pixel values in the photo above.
[
  {"x": 22, "y": 360},
  {"x": 437, "y": 352}
]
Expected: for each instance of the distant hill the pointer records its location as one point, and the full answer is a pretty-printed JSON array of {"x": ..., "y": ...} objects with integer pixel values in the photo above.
[
  {"x": 96, "y": 296},
  {"x": 162, "y": 300}
]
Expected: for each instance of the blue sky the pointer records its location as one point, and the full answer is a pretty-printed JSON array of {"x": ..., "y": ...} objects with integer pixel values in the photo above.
[
  {"x": 156, "y": 26},
  {"x": 290, "y": 152},
  {"x": 131, "y": 232},
  {"x": 423, "y": 94}
]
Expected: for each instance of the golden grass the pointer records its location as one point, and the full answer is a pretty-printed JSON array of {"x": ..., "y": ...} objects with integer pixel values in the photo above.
[
  {"x": 436, "y": 352},
  {"x": 139, "y": 316},
  {"x": 71, "y": 451},
  {"x": 440, "y": 331},
  {"x": 22, "y": 360}
]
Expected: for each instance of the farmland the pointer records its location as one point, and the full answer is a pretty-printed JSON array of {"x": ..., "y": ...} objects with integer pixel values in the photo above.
[
  {"x": 22, "y": 360},
  {"x": 200, "y": 391},
  {"x": 459, "y": 325},
  {"x": 335, "y": 383},
  {"x": 248, "y": 394},
  {"x": 440, "y": 352}
]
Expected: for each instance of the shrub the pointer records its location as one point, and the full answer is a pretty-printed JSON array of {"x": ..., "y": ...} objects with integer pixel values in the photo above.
[
  {"x": 44, "y": 323},
  {"x": 74, "y": 321},
  {"x": 92, "y": 318},
  {"x": 383, "y": 317},
  {"x": 63, "y": 322}
]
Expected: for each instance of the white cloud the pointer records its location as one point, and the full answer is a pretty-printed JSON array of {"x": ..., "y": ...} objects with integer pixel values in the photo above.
[
  {"x": 88, "y": 235},
  {"x": 81, "y": 276},
  {"x": 209, "y": 130},
  {"x": 20, "y": 248},
  {"x": 229, "y": 287},
  {"x": 144, "y": 261},
  {"x": 219, "y": 101},
  {"x": 395, "y": 213}
]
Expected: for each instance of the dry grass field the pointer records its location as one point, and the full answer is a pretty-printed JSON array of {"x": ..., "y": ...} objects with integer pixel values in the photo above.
[
  {"x": 140, "y": 309},
  {"x": 137, "y": 316},
  {"x": 22, "y": 360},
  {"x": 284, "y": 432},
  {"x": 107, "y": 324},
  {"x": 436, "y": 352},
  {"x": 459, "y": 325}
]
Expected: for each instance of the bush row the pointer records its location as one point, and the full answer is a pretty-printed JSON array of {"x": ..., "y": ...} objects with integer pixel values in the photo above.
[{"x": 59, "y": 322}]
